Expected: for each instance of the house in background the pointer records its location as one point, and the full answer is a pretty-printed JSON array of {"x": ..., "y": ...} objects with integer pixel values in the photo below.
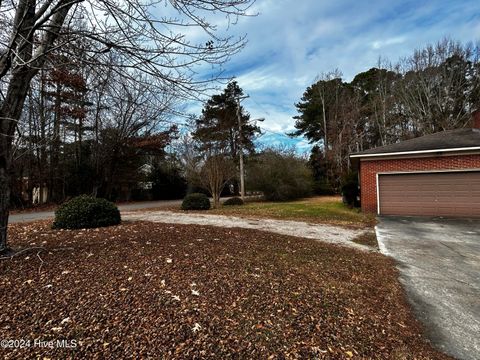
[
  {"x": 432, "y": 175},
  {"x": 25, "y": 193},
  {"x": 39, "y": 195}
]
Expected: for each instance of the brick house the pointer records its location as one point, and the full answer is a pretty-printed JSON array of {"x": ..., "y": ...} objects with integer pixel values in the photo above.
[{"x": 432, "y": 175}]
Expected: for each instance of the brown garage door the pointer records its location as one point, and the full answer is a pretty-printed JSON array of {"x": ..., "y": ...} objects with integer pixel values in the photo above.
[{"x": 437, "y": 194}]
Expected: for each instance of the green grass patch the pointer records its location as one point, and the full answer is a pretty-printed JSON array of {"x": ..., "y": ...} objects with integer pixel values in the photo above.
[{"x": 317, "y": 209}]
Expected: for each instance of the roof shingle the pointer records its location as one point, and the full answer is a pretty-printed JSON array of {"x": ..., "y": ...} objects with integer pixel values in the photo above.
[{"x": 450, "y": 139}]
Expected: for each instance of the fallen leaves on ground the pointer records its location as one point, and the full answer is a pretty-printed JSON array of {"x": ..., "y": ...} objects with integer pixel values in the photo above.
[
  {"x": 182, "y": 291},
  {"x": 368, "y": 238}
]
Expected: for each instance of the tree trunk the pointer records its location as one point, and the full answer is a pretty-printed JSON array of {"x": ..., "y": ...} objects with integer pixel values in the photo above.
[
  {"x": 324, "y": 116},
  {"x": 10, "y": 111},
  {"x": 43, "y": 152},
  {"x": 4, "y": 193},
  {"x": 54, "y": 187},
  {"x": 11, "y": 105},
  {"x": 216, "y": 200}
]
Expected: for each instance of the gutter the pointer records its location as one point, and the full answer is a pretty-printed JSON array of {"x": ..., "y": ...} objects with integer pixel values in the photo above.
[{"x": 417, "y": 152}]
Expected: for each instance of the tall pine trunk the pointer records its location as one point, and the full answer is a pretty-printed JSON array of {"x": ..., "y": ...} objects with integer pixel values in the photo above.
[
  {"x": 54, "y": 183},
  {"x": 43, "y": 151}
]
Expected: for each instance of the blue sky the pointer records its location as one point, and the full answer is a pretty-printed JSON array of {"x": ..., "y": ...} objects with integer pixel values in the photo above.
[{"x": 291, "y": 42}]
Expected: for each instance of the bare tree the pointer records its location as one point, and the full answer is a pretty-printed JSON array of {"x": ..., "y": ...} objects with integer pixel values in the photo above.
[
  {"x": 33, "y": 29},
  {"x": 215, "y": 172},
  {"x": 209, "y": 168},
  {"x": 437, "y": 81},
  {"x": 326, "y": 95},
  {"x": 133, "y": 113},
  {"x": 435, "y": 89}
]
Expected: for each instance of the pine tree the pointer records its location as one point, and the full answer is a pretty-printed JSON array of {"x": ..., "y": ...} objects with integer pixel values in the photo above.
[{"x": 218, "y": 125}]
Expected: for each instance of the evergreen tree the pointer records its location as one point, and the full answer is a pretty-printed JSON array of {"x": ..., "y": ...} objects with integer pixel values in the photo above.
[{"x": 218, "y": 126}]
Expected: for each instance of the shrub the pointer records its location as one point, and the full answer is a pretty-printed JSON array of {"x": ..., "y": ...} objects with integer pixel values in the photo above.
[
  {"x": 86, "y": 212},
  {"x": 192, "y": 189},
  {"x": 196, "y": 201},
  {"x": 350, "y": 190},
  {"x": 281, "y": 175},
  {"x": 233, "y": 201}
]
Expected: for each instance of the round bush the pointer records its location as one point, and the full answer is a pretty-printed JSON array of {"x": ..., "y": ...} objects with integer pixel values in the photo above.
[
  {"x": 196, "y": 201},
  {"x": 233, "y": 201},
  {"x": 86, "y": 212}
]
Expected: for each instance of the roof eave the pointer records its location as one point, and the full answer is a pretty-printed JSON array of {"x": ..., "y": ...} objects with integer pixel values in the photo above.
[{"x": 417, "y": 152}]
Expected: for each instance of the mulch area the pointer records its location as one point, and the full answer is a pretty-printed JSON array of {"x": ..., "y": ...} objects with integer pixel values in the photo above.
[{"x": 145, "y": 290}]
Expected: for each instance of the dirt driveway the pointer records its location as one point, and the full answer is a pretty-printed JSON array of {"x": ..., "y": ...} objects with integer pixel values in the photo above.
[{"x": 439, "y": 261}]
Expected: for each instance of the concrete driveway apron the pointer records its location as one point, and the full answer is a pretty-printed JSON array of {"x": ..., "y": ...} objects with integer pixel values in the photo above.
[{"x": 439, "y": 263}]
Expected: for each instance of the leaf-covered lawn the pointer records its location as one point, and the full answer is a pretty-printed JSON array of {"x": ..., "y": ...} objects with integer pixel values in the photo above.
[
  {"x": 150, "y": 290},
  {"x": 324, "y": 209}
]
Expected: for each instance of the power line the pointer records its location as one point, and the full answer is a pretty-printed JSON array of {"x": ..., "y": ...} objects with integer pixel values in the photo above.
[
  {"x": 268, "y": 113},
  {"x": 260, "y": 106}
]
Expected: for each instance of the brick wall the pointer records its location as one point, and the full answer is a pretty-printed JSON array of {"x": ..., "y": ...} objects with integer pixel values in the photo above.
[{"x": 370, "y": 168}]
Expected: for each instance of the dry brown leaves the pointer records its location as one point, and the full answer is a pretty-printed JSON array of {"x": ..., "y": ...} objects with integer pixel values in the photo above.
[{"x": 171, "y": 291}]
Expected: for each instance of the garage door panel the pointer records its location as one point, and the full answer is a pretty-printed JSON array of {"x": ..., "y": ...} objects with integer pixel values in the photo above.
[{"x": 430, "y": 194}]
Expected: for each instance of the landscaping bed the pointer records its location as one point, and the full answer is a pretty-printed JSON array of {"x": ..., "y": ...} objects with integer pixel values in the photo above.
[{"x": 184, "y": 291}]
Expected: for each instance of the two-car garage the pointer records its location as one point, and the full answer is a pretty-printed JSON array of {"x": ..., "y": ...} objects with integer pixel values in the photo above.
[
  {"x": 452, "y": 194},
  {"x": 432, "y": 175}
]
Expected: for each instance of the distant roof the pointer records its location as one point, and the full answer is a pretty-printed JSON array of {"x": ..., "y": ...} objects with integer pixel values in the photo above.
[{"x": 450, "y": 140}]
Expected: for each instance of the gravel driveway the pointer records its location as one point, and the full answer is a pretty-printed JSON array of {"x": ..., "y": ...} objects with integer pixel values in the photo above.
[
  {"x": 439, "y": 262},
  {"x": 326, "y": 233}
]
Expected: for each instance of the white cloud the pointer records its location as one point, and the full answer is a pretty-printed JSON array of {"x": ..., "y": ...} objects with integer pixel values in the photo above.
[
  {"x": 260, "y": 79},
  {"x": 291, "y": 42},
  {"x": 392, "y": 41}
]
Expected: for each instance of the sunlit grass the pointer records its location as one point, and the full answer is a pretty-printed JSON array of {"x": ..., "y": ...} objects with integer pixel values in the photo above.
[{"x": 328, "y": 209}]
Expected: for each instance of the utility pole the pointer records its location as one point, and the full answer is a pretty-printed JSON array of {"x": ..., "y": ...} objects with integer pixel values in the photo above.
[{"x": 240, "y": 147}]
